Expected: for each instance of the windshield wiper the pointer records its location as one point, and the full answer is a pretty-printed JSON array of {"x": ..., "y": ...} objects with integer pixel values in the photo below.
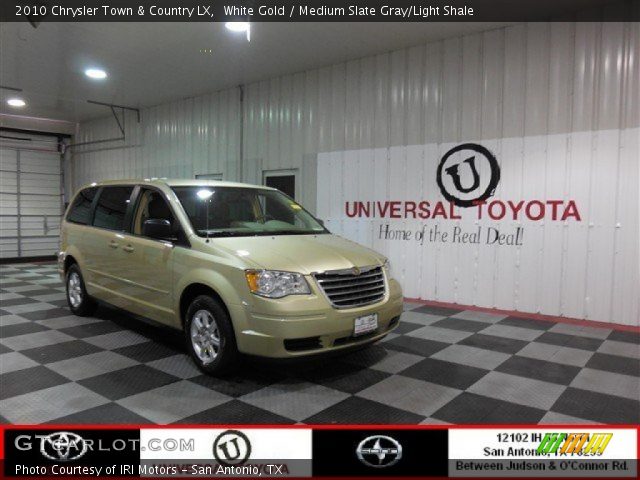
[
  {"x": 258, "y": 233},
  {"x": 295, "y": 232},
  {"x": 226, "y": 234}
]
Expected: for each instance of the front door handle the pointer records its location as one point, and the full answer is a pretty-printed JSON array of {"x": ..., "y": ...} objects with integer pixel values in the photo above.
[
  {"x": 113, "y": 244},
  {"x": 128, "y": 248}
]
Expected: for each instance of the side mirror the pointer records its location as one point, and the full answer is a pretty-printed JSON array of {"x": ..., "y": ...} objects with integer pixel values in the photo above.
[
  {"x": 321, "y": 222},
  {"x": 158, "y": 228}
]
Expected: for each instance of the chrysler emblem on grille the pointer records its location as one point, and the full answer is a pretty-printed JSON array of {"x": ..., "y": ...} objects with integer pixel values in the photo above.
[{"x": 355, "y": 271}]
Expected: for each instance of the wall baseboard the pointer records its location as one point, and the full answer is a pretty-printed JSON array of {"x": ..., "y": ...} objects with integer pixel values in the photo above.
[
  {"x": 40, "y": 259},
  {"x": 534, "y": 316}
]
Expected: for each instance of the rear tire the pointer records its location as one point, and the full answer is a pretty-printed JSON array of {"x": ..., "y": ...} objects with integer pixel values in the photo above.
[
  {"x": 79, "y": 301},
  {"x": 210, "y": 338}
]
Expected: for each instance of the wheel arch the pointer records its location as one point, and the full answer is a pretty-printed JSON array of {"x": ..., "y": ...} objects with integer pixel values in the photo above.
[
  {"x": 193, "y": 290},
  {"x": 71, "y": 256},
  {"x": 68, "y": 261}
]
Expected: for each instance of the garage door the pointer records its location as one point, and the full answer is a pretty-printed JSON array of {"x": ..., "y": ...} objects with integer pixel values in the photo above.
[{"x": 30, "y": 198}]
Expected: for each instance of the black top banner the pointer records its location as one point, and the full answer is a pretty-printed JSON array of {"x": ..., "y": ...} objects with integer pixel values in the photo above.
[{"x": 37, "y": 11}]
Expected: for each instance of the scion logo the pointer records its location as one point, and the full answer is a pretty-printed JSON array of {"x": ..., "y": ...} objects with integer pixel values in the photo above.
[
  {"x": 63, "y": 446},
  {"x": 379, "y": 451},
  {"x": 231, "y": 447},
  {"x": 468, "y": 174}
]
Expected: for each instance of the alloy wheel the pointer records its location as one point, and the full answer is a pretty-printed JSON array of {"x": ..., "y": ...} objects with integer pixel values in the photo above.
[
  {"x": 74, "y": 289},
  {"x": 205, "y": 336}
]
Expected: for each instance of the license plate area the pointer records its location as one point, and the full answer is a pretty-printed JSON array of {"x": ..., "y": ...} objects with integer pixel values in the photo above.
[{"x": 365, "y": 324}]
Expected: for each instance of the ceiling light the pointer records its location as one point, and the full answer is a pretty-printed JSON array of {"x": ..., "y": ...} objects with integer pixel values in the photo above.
[
  {"x": 95, "y": 73},
  {"x": 204, "y": 194},
  {"x": 240, "y": 27},
  {"x": 16, "y": 102},
  {"x": 237, "y": 26}
]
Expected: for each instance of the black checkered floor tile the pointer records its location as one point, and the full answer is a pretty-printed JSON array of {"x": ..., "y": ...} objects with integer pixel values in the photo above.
[{"x": 439, "y": 366}]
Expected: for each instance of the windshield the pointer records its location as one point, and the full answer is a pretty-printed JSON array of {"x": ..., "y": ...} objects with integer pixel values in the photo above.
[{"x": 238, "y": 211}]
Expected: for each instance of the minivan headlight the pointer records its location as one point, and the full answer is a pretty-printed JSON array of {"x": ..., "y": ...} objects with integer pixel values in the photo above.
[{"x": 274, "y": 284}]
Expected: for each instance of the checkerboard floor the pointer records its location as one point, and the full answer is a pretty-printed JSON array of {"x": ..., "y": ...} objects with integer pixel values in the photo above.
[{"x": 439, "y": 366}]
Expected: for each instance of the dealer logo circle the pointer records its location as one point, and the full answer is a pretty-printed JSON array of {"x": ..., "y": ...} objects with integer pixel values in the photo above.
[
  {"x": 232, "y": 447},
  {"x": 468, "y": 174}
]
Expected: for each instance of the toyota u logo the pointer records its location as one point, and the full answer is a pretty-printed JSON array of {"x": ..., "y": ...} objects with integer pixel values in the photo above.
[
  {"x": 467, "y": 182},
  {"x": 455, "y": 175},
  {"x": 225, "y": 449},
  {"x": 232, "y": 447}
]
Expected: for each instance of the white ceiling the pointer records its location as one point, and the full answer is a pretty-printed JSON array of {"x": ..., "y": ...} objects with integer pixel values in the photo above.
[{"x": 152, "y": 63}]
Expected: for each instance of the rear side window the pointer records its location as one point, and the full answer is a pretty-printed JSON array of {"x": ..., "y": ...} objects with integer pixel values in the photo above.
[
  {"x": 112, "y": 207},
  {"x": 81, "y": 208}
]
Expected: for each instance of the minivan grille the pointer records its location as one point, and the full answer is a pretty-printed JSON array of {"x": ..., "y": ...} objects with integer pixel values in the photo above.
[{"x": 352, "y": 287}]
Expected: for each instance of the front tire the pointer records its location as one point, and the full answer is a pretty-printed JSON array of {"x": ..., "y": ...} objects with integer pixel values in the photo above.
[
  {"x": 79, "y": 301},
  {"x": 210, "y": 337}
]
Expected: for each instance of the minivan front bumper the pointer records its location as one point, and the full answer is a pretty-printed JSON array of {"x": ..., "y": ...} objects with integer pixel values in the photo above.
[{"x": 301, "y": 325}]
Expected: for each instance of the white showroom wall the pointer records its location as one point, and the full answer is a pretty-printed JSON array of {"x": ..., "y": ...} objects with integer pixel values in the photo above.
[{"x": 557, "y": 105}]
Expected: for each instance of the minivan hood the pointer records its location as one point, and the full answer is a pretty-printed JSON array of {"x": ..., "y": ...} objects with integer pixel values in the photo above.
[{"x": 299, "y": 253}]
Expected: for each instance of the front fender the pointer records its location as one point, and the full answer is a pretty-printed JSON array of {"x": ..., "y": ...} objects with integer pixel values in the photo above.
[{"x": 224, "y": 277}]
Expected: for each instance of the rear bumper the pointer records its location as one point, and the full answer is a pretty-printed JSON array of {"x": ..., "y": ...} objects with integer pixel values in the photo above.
[{"x": 299, "y": 326}]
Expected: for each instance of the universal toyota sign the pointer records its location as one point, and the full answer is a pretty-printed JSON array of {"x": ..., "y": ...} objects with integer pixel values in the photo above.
[
  {"x": 493, "y": 223},
  {"x": 465, "y": 162},
  {"x": 463, "y": 187}
]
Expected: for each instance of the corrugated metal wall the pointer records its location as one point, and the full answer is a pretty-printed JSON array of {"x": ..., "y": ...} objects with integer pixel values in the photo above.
[
  {"x": 529, "y": 82},
  {"x": 179, "y": 140}
]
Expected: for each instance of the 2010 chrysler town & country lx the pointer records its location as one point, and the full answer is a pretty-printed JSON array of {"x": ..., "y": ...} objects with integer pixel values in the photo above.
[{"x": 240, "y": 268}]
